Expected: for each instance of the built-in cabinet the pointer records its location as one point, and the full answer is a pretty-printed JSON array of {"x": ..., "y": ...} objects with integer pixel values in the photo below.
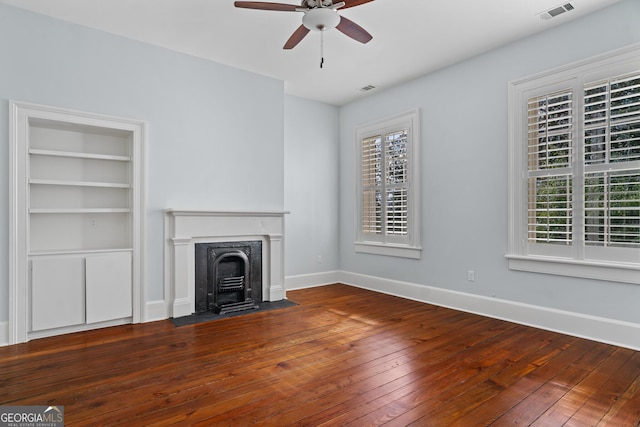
[{"x": 78, "y": 216}]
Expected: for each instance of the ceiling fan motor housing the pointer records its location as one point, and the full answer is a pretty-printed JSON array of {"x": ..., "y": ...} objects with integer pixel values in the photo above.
[
  {"x": 316, "y": 3},
  {"x": 320, "y": 19}
]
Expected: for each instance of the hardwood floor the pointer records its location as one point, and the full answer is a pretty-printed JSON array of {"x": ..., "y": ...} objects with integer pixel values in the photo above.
[{"x": 342, "y": 357}]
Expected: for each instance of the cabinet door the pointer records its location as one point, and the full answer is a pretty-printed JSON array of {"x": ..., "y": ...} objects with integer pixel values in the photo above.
[
  {"x": 57, "y": 292},
  {"x": 109, "y": 286}
]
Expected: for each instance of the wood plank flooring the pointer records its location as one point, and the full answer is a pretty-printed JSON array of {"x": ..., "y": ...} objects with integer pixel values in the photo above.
[{"x": 343, "y": 357}]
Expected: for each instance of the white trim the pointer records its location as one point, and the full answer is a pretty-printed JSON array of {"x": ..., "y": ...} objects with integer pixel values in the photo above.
[
  {"x": 610, "y": 331},
  {"x": 617, "y": 272},
  {"x": 408, "y": 246},
  {"x": 156, "y": 310},
  {"x": 224, "y": 214},
  {"x": 4, "y": 333},
  {"x": 388, "y": 249},
  {"x": 575, "y": 261},
  {"x": 311, "y": 280},
  {"x": 78, "y": 328},
  {"x": 17, "y": 324}
]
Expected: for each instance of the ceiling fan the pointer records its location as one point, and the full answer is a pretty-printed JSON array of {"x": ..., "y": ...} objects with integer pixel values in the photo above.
[{"x": 319, "y": 15}]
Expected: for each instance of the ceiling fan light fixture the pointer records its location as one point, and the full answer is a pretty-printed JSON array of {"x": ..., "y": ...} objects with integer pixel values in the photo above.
[{"x": 321, "y": 19}]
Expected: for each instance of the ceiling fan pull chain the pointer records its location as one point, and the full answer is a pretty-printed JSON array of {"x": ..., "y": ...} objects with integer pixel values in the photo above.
[{"x": 321, "y": 48}]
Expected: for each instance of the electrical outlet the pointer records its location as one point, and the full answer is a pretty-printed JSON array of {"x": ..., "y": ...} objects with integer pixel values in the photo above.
[
  {"x": 471, "y": 276},
  {"x": 93, "y": 223}
]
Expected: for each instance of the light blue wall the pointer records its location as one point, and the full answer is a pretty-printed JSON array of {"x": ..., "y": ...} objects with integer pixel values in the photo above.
[
  {"x": 215, "y": 133},
  {"x": 205, "y": 117},
  {"x": 311, "y": 186},
  {"x": 464, "y": 171}
]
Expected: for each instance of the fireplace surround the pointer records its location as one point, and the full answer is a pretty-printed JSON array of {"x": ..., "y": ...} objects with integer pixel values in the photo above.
[{"x": 183, "y": 229}]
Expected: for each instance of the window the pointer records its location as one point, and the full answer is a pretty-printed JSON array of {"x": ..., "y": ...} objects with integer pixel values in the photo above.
[
  {"x": 387, "y": 188},
  {"x": 574, "y": 185}
]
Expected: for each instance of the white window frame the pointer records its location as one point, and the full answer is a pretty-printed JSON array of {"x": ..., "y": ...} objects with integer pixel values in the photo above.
[
  {"x": 407, "y": 246},
  {"x": 572, "y": 260}
]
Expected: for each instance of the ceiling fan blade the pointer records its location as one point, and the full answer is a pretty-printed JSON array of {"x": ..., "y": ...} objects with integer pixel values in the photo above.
[
  {"x": 352, "y": 3},
  {"x": 282, "y": 7},
  {"x": 353, "y": 30},
  {"x": 296, "y": 37}
]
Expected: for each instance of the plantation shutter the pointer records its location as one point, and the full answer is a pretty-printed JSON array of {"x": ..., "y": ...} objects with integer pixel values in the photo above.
[
  {"x": 612, "y": 162},
  {"x": 549, "y": 168},
  {"x": 385, "y": 181},
  {"x": 372, "y": 185},
  {"x": 397, "y": 180}
]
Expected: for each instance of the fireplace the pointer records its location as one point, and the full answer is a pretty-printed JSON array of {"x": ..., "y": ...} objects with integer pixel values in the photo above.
[
  {"x": 228, "y": 276},
  {"x": 184, "y": 229}
]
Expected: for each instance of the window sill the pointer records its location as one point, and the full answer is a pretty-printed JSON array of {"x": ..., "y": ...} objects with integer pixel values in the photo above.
[
  {"x": 614, "y": 272},
  {"x": 402, "y": 251}
]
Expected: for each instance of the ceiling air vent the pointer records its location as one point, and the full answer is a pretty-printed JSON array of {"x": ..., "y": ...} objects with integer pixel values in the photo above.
[
  {"x": 367, "y": 88},
  {"x": 559, "y": 10}
]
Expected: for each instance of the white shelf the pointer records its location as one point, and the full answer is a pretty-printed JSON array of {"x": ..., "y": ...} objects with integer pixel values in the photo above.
[
  {"x": 79, "y": 155},
  {"x": 78, "y": 210},
  {"x": 77, "y": 252},
  {"x": 77, "y": 183},
  {"x": 57, "y": 136}
]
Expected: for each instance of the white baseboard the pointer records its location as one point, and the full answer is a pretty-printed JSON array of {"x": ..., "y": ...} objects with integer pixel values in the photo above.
[
  {"x": 181, "y": 307},
  {"x": 156, "y": 310},
  {"x": 4, "y": 333},
  {"x": 312, "y": 280},
  {"x": 276, "y": 293},
  {"x": 610, "y": 331}
]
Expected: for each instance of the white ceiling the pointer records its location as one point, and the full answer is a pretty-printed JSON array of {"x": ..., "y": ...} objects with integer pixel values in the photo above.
[{"x": 410, "y": 37}]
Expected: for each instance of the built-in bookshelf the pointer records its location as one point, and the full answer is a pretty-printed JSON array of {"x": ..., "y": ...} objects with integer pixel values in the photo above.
[
  {"x": 77, "y": 187},
  {"x": 80, "y": 187}
]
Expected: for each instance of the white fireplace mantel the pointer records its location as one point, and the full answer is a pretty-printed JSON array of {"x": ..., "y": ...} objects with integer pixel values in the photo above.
[{"x": 184, "y": 228}]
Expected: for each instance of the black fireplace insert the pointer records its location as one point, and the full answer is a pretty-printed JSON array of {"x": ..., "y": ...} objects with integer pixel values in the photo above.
[{"x": 228, "y": 276}]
